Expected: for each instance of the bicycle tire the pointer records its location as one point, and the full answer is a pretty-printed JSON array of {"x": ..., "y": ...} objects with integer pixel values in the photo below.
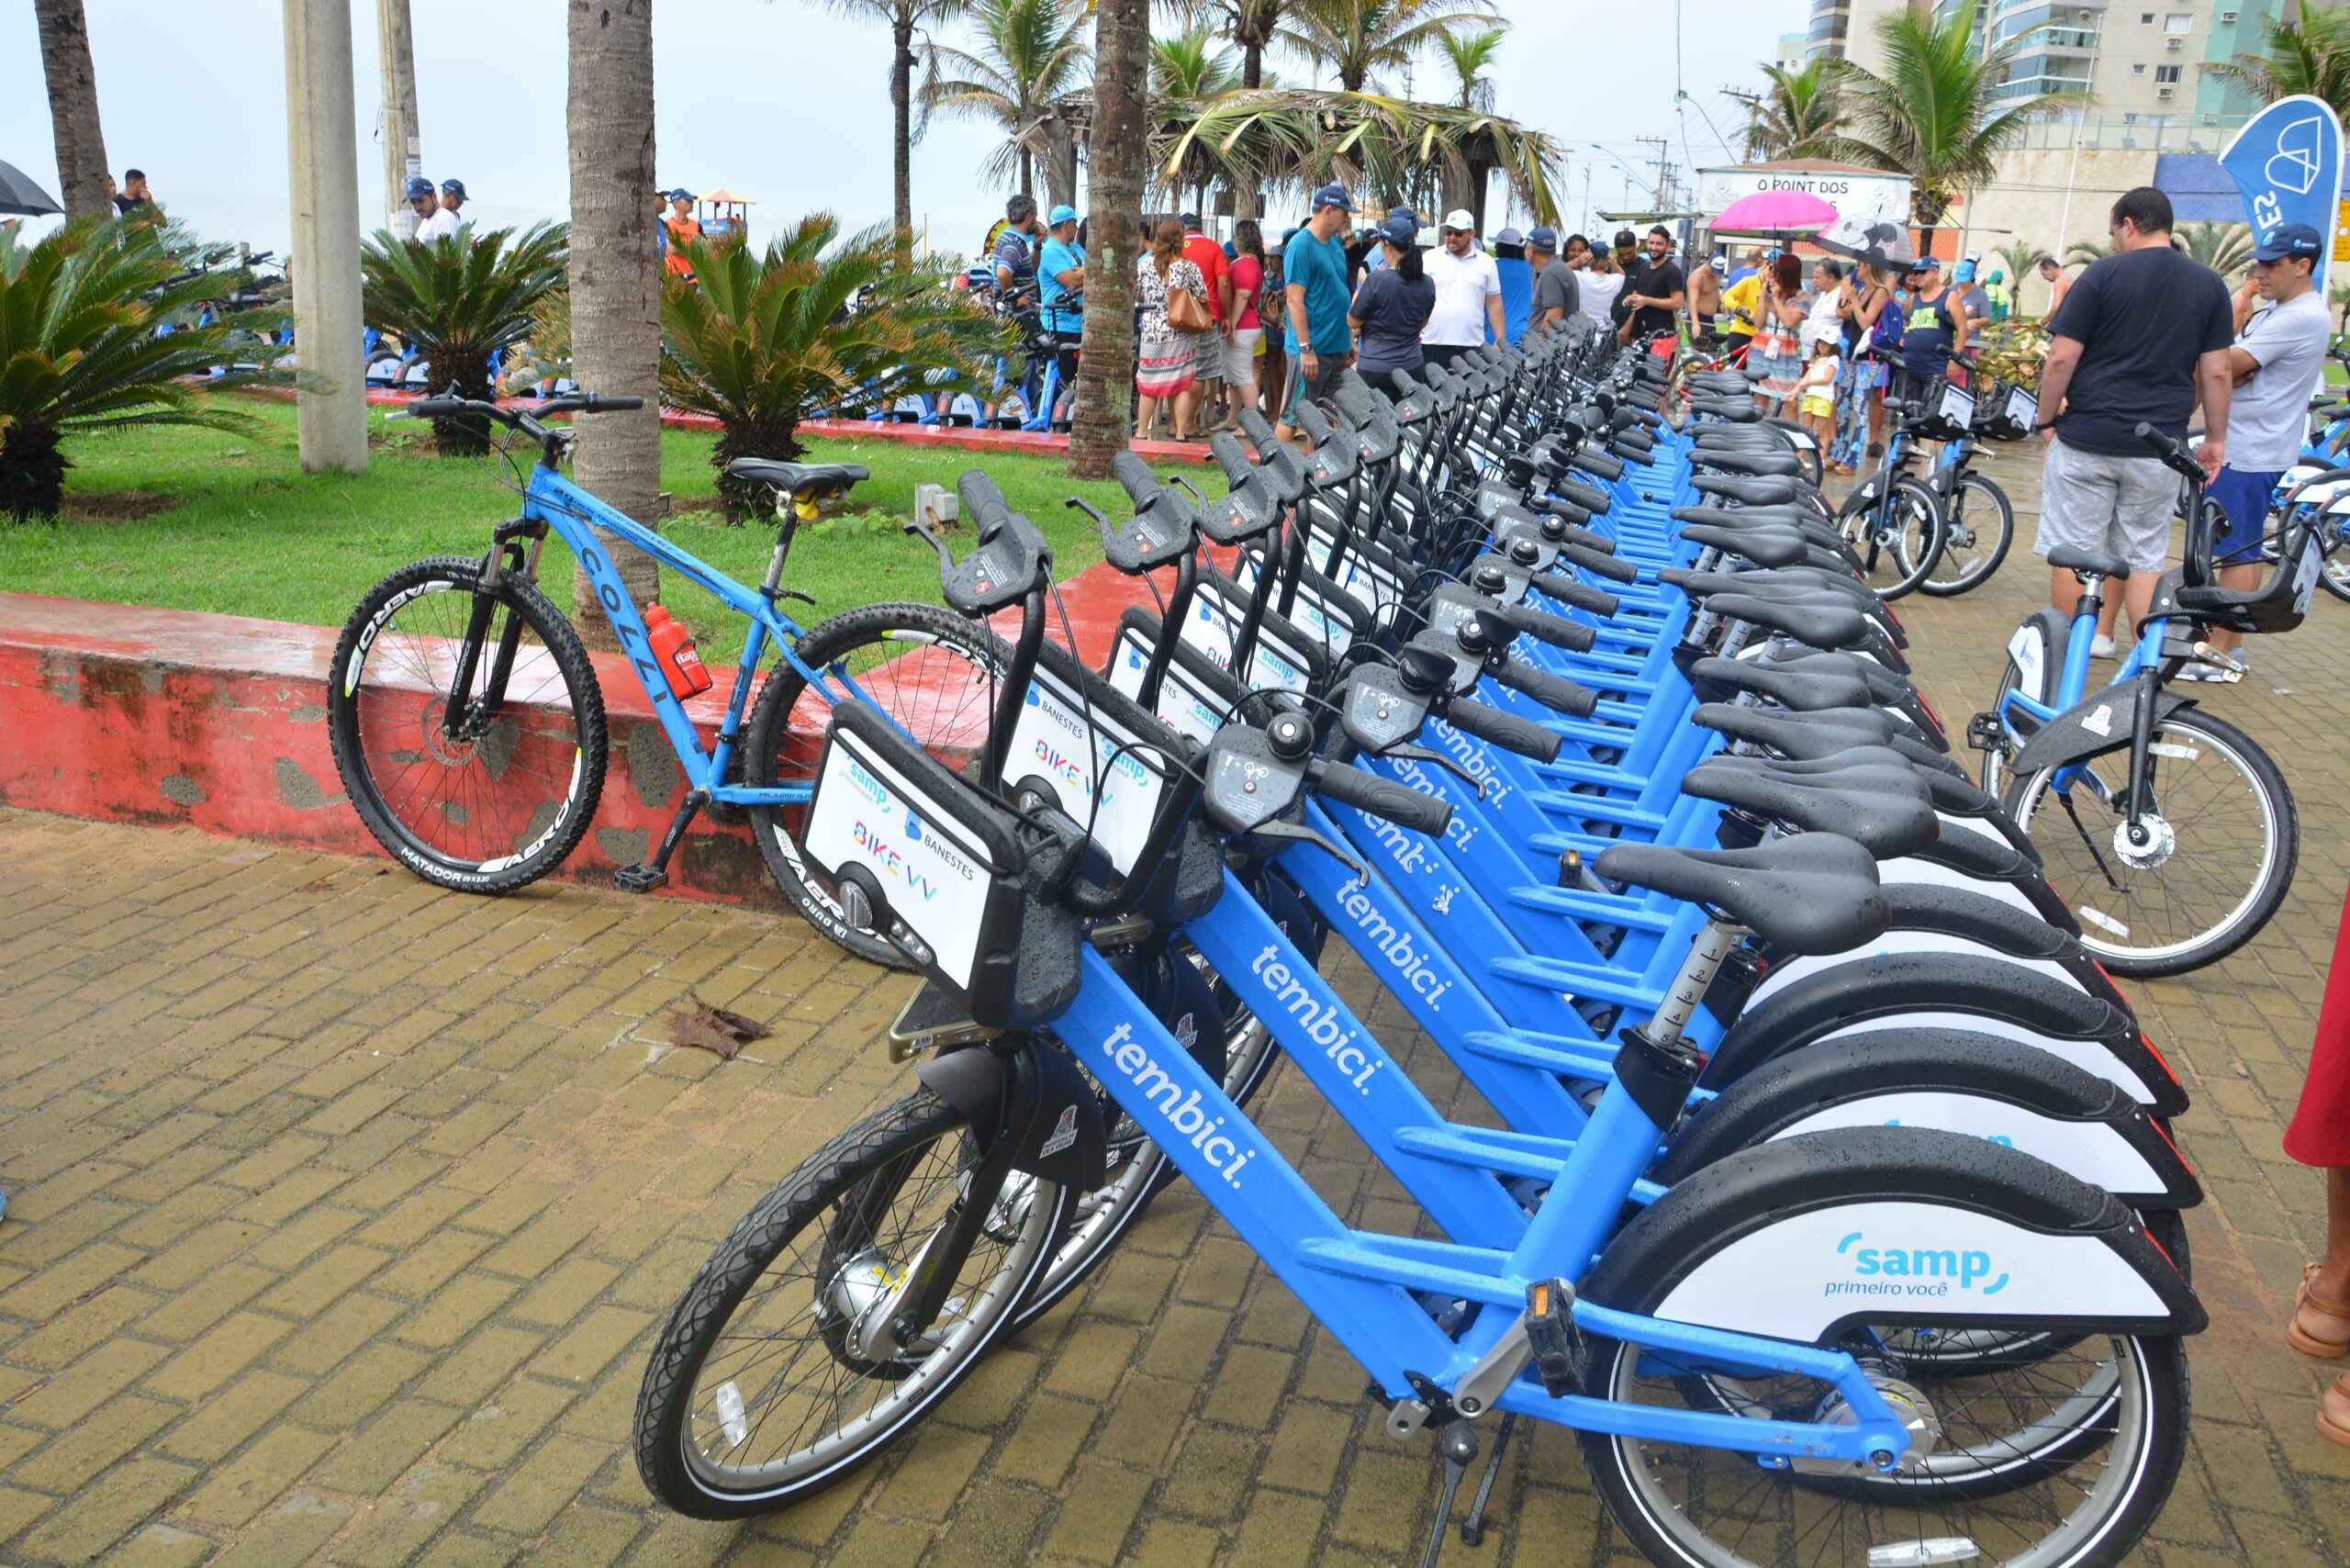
[
  {"x": 871, "y": 1161},
  {"x": 1921, "y": 507},
  {"x": 2001, "y": 750},
  {"x": 1977, "y": 567},
  {"x": 372, "y": 723},
  {"x": 2335, "y": 573},
  {"x": 2280, "y": 851},
  {"x": 774, "y": 754}
]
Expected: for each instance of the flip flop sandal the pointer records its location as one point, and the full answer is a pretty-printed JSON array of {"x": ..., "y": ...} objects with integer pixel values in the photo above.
[{"x": 2310, "y": 1344}]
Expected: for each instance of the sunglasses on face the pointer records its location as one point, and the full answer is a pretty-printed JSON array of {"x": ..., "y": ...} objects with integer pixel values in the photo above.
[{"x": 1452, "y": 233}]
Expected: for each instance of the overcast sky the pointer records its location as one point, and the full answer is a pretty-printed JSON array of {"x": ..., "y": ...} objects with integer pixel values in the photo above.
[{"x": 778, "y": 99}]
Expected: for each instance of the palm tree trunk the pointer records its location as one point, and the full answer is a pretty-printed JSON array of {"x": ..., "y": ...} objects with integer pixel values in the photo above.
[
  {"x": 901, "y": 73},
  {"x": 615, "y": 282},
  {"x": 1028, "y": 172},
  {"x": 74, "y": 107},
  {"x": 1119, "y": 150}
]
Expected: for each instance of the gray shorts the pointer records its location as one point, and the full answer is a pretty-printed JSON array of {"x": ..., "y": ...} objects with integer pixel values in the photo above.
[{"x": 2122, "y": 505}]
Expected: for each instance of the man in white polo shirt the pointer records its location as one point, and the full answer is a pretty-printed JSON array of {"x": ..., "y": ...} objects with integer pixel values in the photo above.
[{"x": 1468, "y": 293}]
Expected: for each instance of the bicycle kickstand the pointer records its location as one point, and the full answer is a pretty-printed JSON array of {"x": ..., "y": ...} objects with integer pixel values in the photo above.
[
  {"x": 1457, "y": 1445},
  {"x": 1472, "y": 1528}
]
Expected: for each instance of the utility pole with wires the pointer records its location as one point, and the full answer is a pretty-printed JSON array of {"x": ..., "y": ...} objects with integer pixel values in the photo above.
[{"x": 1665, "y": 170}]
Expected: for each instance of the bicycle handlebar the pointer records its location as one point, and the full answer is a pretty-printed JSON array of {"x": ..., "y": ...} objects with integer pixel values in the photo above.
[
  {"x": 1507, "y": 730},
  {"x": 2172, "y": 450},
  {"x": 522, "y": 419},
  {"x": 1399, "y": 803}
]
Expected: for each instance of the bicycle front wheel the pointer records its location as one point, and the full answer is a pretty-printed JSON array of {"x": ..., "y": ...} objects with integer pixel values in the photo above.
[
  {"x": 777, "y": 1372},
  {"x": 935, "y": 674},
  {"x": 496, "y": 793},
  {"x": 1898, "y": 541},
  {"x": 1981, "y": 526},
  {"x": 2222, "y": 838}
]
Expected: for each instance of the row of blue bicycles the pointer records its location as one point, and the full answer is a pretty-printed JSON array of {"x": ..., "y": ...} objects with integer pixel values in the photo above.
[{"x": 1827, "y": 1191}]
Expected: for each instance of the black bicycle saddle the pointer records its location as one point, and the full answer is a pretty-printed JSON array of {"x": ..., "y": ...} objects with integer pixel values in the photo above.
[
  {"x": 1800, "y": 736},
  {"x": 1812, "y": 892},
  {"x": 1803, "y": 692},
  {"x": 1763, "y": 546},
  {"x": 2096, "y": 561},
  {"x": 1750, "y": 489},
  {"x": 1749, "y": 465},
  {"x": 810, "y": 479},
  {"x": 1884, "y": 686},
  {"x": 1880, "y": 807},
  {"x": 1813, "y": 619},
  {"x": 1743, "y": 412}
]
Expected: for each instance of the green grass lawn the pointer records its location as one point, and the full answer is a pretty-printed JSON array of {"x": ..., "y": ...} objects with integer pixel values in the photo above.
[{"x": 243, "y": 530}]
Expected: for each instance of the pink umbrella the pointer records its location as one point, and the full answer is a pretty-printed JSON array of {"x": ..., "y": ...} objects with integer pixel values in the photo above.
[{"x": 1775, "y": 212}]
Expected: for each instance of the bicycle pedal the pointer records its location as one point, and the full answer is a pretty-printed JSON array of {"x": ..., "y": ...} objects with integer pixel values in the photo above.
[
  {"x": 1551, "y": 1333},
  {"x": 638, "y": 879},
  {"x": 1983, "y": 732}
]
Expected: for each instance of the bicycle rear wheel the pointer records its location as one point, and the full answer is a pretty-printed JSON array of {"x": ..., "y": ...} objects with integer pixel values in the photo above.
[
  {"x": 1899, "y": 543},
  {"x": 934, "y": 673},
  {"x": 777, "y": 1373},
  {"x": 499, "y": 798},
  {"x": 2225, "y": 838},
  {"x": 1981, "y": 526}
]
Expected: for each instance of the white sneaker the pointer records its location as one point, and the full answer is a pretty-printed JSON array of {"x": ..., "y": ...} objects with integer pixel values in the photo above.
[{"x": 2101, "y": 647}]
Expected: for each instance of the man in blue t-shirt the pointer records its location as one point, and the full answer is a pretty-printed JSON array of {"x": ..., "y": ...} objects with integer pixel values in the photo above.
[
  {"x": 1060, "y": 291},
  {"x": 1315, "y": 299}
]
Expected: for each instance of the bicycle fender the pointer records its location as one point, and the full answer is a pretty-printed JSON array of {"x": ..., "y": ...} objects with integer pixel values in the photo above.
[
  {"x": 1806, "y": 1236},
  {"x": 1930, "y": 918},
  {"x": 1038, "y": 1099},
  {"x": 1958, "y": 1081},
  {"x": 1955, "y": 990},
  {"x": 2098, "y": 723}
]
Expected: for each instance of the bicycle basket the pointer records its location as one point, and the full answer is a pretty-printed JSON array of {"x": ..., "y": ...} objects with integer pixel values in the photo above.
[
  {"x": 1093, "y": 750},
  {"x": 1947, "y": 412},
  {"x": 938, "y": 864},
  {"x": 2280, "y": 603},
  {"x": 2018, "y": 411}
]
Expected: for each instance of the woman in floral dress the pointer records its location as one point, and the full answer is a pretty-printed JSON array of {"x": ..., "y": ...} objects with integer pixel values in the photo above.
[{"x": 1170, "y": 357}]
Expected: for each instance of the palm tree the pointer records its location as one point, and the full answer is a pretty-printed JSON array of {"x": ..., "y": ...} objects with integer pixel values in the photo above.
[
  {"x": 903, "y": 19},
  {"x": 1796, "y": 116},
  {"x": 79, "y": 349},
  {"x": 2225, "y": 248},
  {"x": 764, "y": 342},
  {"x": 1933, "y": 114},
  {"x": 1251, "y": 25},
  {"x": 1121, "y": 154},
  {"x": 2306, "y": 49},
  {"x": 1467, "y": 56},
  {"x": 1352, "y": 39},
  {"x": 1188, "y": 71},
  {"x": 458, "y": 302},
  {"x": 1028, "y": 54},
  {"x": 74, "y": 107},
  {"x": 2081, "y": 252},
  {"x": 2019, "y": 257},
  {"x": 615, "y": 282}
]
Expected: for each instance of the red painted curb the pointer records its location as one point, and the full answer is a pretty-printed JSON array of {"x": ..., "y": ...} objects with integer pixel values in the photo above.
[{"x": 128, "y": 713}]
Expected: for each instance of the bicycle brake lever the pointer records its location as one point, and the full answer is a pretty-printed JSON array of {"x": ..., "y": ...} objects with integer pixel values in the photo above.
[
  {"x": 1412, "y": 752},
  {"x": 945, "y": 557},
  {"x": 1197, "y": 494},
  {"x": 1295, "y": 833}
]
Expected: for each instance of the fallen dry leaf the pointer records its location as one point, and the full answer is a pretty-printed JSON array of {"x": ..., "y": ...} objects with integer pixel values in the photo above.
[{"x": 713, "y": 1028}]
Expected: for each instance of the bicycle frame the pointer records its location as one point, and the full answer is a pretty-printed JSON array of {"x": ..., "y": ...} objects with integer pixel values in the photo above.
[
  {"x": 1358, "y": 1283},
  {"x": 556, "y": 501}
]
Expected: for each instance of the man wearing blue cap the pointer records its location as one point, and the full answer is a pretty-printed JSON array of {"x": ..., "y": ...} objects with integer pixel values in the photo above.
[
  {"x": 420, "y": 202},
  {"x": 2277, "y": 362},
  {"x": 1316, "y": 297},
  {"x": 1060, "y": 290},
  {"x": 444, "y": 222}
]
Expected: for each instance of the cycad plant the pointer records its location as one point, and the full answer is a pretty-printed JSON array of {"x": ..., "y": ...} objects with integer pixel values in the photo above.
[
  {"x": 765, "y": 340},
  {"x": 1028, "y": 52},
  {"x": 1933, "y": 112},
  {"x": 79, "y": 351},
  {"x": 458, "y": 302}
]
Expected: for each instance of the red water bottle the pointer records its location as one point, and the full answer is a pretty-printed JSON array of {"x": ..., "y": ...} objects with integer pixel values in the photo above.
[{"x": 674, "y": 651}]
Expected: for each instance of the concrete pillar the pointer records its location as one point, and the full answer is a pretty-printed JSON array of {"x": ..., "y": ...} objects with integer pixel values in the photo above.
[
  {"x": 322, "y": 147},
  {"x": 403, "y": 143}
]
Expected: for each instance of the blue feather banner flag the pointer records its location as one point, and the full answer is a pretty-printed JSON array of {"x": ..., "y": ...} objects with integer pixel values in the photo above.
[{"x": 2287, "y": 163}]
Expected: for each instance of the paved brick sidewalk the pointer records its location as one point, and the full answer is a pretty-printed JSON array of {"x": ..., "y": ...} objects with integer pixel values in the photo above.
[{"x": 341, "y": 1211}]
